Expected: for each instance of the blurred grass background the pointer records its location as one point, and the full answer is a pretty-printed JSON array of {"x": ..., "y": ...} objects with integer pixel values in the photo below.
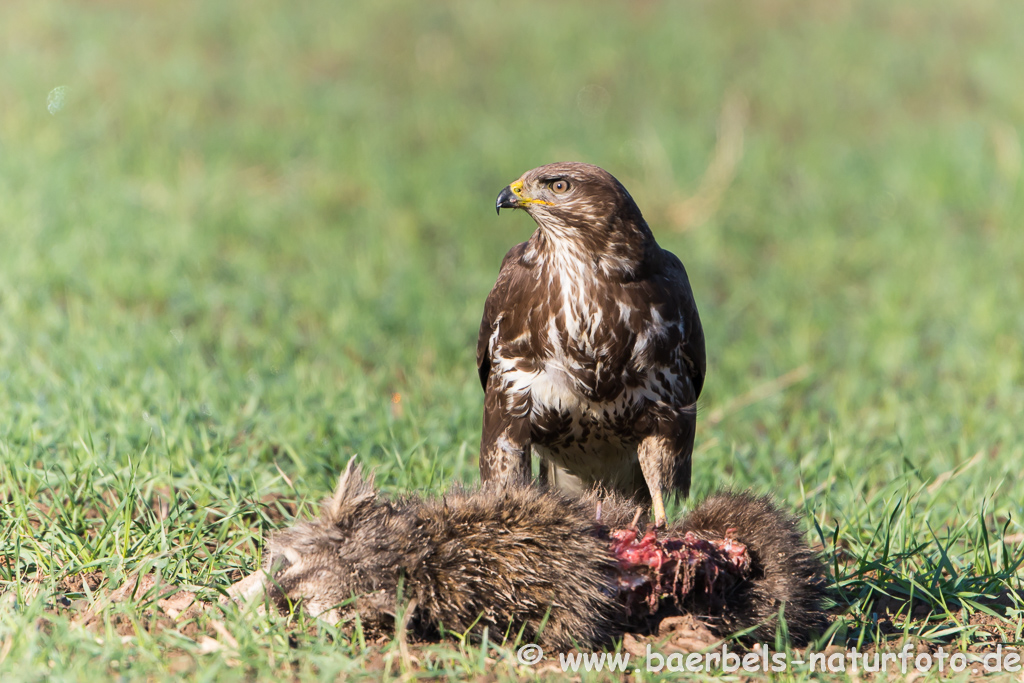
[{"x": 259, "y": 235}]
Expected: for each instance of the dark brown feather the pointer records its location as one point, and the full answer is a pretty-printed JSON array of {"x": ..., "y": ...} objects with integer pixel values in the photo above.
[{"x": 591, "y": 334}]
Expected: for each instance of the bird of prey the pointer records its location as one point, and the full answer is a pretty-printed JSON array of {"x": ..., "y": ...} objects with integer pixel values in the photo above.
[{"x": 591, "y": 351}]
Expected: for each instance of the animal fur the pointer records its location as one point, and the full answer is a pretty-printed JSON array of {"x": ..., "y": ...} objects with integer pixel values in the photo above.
[{"x": 518, "y": 559}]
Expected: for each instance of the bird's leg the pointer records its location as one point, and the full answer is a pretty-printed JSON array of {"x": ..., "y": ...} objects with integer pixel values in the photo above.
[
  {"x": 512, "y": 466},
  {"x": 544, "y": 476},
  {"x": 658, "y": 505},
  {"x": 656, "y": 460},
  {"x": 505, "y": 443}
]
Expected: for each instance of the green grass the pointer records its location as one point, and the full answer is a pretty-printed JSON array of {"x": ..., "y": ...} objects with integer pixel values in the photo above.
[{"x": 252, "y": 227}]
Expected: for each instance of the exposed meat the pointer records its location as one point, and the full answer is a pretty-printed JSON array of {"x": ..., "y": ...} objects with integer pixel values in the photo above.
[{"x": 653, "y": 569}]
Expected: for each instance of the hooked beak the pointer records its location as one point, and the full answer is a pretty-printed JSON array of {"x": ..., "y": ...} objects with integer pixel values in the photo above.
[
  {"x": 506, "y": 200},
  {"x": 512, "y": 197}
]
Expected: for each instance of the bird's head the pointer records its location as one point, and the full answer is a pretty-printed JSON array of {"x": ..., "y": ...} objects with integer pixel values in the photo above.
[{"x": 580, "y": 205}]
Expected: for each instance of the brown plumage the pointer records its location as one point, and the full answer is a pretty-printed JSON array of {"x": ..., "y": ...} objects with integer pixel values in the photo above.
[
  {"x": 509, "y": 558},
  {"x": 591, "y": 351}
]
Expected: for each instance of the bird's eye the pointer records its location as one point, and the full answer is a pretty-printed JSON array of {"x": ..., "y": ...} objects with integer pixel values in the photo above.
[{"x": 560, "y": 186}]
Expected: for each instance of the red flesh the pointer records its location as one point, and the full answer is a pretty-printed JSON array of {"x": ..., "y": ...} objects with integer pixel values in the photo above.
[{"x": 651, "y": 569}]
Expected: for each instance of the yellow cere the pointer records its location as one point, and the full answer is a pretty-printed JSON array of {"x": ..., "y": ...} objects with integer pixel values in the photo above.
[{"x": 517, "y": 190}]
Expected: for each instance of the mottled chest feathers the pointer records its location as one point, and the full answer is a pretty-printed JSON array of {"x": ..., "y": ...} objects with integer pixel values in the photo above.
[{"x": 590, "y": 342}]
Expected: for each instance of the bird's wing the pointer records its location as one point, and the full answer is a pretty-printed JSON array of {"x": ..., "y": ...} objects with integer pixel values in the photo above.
[
  {"x": 493, "y": 307},
  {"x": 694, "y": 353},
  {"x": 692, "y": 345},
  {"x": 505, "y": 437},
  {"x": 674, "y": 424}
]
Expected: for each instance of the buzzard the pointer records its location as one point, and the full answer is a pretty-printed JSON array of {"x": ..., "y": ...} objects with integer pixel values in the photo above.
[{"x": 591, "y": 351}]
